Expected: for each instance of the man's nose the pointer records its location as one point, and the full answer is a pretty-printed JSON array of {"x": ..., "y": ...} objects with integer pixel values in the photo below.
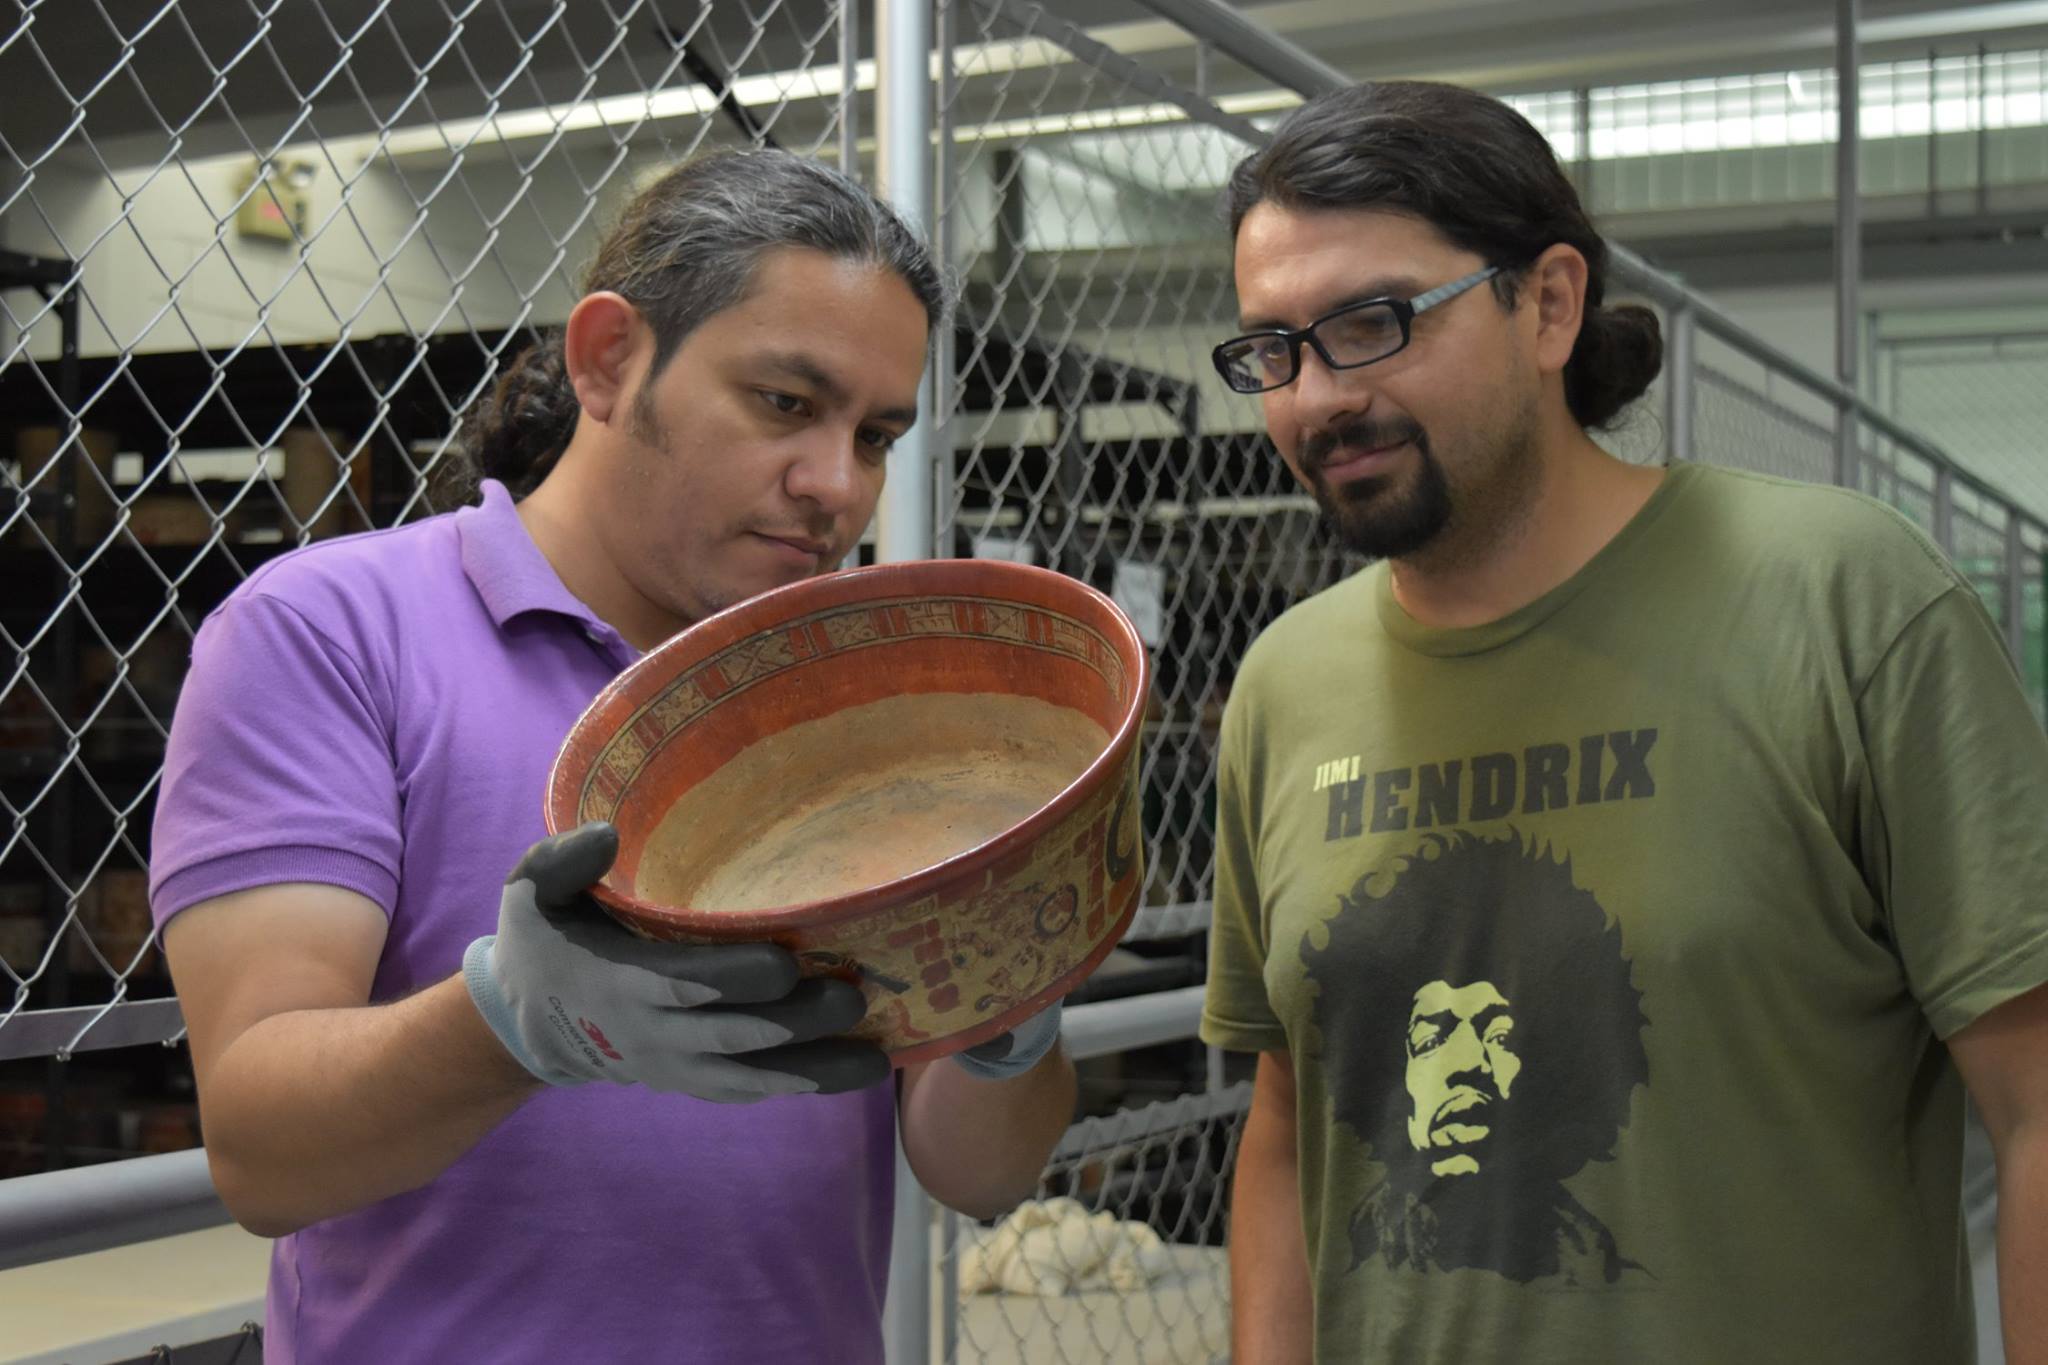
[
  {"x": 1323, "y": 397},
  {"x": 828, "y": 473}
]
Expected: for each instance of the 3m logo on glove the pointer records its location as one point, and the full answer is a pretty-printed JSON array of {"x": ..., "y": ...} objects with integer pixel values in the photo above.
[{"x": 596, "y": 1035}]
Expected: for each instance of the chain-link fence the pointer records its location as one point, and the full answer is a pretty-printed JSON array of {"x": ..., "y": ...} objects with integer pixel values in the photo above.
[
  {"x": 1979, "y": 393},
  {"x": 1120, "y": 1258},
  {"x": 244, "y": 302},
  {"x": 257, "y": 261},
  {"x": 243, "y": 1348},
  {"x": 1087, "y": 431}
]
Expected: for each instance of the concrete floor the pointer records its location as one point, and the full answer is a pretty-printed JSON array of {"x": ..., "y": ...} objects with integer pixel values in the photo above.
[{"x": 115, "y": 1305}]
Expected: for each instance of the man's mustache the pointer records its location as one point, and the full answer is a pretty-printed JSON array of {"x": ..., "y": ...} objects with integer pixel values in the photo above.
[{"x": 1357, "y": 437}]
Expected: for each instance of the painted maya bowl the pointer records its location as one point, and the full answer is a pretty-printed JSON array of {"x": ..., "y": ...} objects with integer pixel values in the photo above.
[{"x": 920, "y": 777}]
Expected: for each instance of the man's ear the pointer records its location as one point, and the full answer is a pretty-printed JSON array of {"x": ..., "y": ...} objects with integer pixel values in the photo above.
[
  {"x": 1556, "y": 284},
  {"x": 602, "y": 349}
]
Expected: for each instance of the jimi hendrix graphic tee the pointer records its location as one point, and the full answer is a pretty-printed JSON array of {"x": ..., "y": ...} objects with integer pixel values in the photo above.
[{"x": 1612, "y": 942}]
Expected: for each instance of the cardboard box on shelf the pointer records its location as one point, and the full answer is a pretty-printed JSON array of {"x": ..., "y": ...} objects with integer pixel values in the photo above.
[
  {"x": 176, "y": 518},
  {"x": 37, "y": 446}
]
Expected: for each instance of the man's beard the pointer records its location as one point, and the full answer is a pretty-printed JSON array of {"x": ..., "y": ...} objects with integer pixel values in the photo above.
[
  {"x": 1374, "y": 517},
  {"x": 1377, "y": 518}
]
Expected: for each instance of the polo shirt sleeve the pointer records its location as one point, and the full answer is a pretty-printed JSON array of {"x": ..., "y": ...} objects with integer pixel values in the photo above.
[
  {"x": 1959, "y": 818},
  {"x": 280, "y": 765},
  {"x": 1237, "y": 1014}
]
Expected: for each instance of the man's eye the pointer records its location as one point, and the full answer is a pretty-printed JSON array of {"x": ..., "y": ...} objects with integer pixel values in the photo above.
[
  {"x": 1424, "y": 1040},
  {"x": 787, "y": 404},
  {"x": 877, "y": 440}
]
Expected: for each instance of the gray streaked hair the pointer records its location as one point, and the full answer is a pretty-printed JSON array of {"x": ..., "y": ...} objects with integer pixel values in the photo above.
[{"x": 685, "y": 249}]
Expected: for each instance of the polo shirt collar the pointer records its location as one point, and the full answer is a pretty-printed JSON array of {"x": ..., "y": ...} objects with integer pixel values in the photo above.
[{"x": 513, "y": 577}]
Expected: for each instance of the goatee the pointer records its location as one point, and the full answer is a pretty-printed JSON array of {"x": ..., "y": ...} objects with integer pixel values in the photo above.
[{"x": 1375, "y": 517}]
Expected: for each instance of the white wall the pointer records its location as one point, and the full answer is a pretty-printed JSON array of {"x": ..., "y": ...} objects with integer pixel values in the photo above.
[
  {"x": 1982, "y": 410},
  {"x": 407, "y": 248}
]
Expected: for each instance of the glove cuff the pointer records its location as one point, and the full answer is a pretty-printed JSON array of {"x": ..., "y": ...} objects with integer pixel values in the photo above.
[
  {"x": 490, "y": 1002},
  {"x": 1029, "y": 1042}
]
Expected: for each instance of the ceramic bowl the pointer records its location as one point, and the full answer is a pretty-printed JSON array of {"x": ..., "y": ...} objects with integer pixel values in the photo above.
[{"x": 920, "y": 777}]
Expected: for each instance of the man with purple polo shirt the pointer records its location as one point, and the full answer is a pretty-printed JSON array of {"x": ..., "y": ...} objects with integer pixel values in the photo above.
[{"x": 483, "y": 1122}]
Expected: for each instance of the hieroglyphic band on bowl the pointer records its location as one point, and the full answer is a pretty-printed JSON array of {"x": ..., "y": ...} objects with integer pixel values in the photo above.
[{"x": 724, "y": 675}]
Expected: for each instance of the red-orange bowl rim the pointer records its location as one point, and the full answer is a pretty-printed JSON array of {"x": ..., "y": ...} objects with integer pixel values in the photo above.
[{"x": 854, "y": 905}]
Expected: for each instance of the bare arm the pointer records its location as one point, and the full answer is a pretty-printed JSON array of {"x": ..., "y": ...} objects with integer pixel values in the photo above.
[
  {"x": 979, "y": 1146},
  {"x": 2004, "y": 1060},
  {"x": 316, "y": 1103},
  {"x": 1272, "y": 1310}
]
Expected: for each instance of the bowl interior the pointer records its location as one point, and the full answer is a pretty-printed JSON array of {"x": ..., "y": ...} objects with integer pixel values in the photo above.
[
  {"x": 826, "y": 742},
  {"x": 863, "y": 797}
]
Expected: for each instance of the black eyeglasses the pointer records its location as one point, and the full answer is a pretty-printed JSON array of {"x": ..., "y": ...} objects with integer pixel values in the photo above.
[{"x": 1356, "y": 334}]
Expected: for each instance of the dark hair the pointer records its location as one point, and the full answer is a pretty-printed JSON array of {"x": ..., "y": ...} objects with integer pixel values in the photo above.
[
  {"x": 1463, "y": 910},
  {"x": 1480, "y": 174},
  {"x": 685, "y": 248}
]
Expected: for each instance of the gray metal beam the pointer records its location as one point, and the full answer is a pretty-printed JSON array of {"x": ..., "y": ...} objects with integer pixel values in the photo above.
[
  {"x": 903, "y": 174},
  {"x": 1848, "y": 235},
  {"x": 1034, "y": 21},
  {"x": 1250, "y": 45}
]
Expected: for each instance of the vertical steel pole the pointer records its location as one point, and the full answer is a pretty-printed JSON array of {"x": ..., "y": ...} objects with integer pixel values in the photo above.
[
  {"x": 1945, "y": 510},
  {"x": 1848, "y": 233},
  {"x": 903, "y": 138},
  {"x": 945, "y": 246},
  {"x": 1582, "y": 143},
  {"x": 849, "y": 87},
  {"x": 903, "y": 174},
  {"x": 907, "y": 1313},
  {"x": 60, "y": 896},
  {"x": 2015, "y": 589},
  {"x": 1679, "y": 370}
]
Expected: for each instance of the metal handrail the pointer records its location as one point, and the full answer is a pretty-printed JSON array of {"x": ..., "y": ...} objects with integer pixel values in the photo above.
[
  {"x": 91, "y": 1208},
  {"x": 94, "y": 1208},
  {"x": 1662, "y": 289},
  {"x": 1214, "y": 22}
]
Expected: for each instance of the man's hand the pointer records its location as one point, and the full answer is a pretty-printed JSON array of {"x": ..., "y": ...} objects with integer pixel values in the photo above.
[{"x": 575, "y": 997}]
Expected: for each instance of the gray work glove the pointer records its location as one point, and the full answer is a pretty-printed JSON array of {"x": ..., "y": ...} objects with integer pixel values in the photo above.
[
  {"x": 576, "y": 997},
  {"x": 1017, "y": 1051}
]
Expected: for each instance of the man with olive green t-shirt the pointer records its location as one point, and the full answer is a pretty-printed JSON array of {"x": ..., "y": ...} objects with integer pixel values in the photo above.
[{"x": 1623, "y": 879}]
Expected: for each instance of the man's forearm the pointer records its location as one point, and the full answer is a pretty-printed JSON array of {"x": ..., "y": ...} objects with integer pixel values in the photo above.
[
  {"x": 313, "y": 1113},
  {"x": 2023, "y": 1246},
  {"x": 979, "y": 1146},
  {"x": 1272, "y": 1314}
]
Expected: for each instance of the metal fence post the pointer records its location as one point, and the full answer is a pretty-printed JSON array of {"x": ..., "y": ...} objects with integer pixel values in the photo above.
[
  {"x": 1848, "y": 233},
  {"x": 1945, "y": 511},
  {"x": 849, "y": 87},
  {"x": 903, "y": 175},
  {"x": 1678, "y": 382},
  {"x": 945, "y": 171},
  {"x": 2015, "y": 585}
]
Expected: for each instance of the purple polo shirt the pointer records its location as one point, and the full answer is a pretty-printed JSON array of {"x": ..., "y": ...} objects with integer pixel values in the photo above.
[{"x": 379, "y": 713}]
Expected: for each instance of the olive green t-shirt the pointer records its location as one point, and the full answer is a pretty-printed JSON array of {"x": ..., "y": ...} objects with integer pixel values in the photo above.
[{"x": 1612, "y": 941}]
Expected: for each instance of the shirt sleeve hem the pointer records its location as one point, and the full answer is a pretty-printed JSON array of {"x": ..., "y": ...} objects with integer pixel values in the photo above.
[
  {"x": 1232, "y": 1037},
  {"x": 232, "y": 872},
  {"x": 2011, "y": 974}
]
